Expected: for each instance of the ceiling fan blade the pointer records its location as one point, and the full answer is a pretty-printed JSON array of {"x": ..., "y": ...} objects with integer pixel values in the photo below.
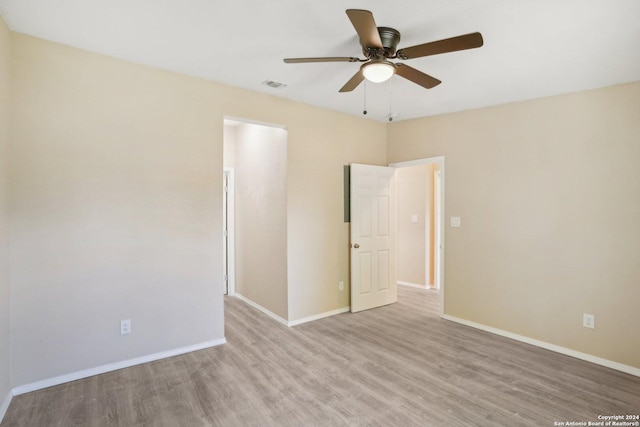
[
  {"x": 325, "y": 59},
  {"x": 353, "y": 82},
  {"x": 366, "y": 28},
  {"x": 467, "y": 41},
  {"x": 416, "y": 76}
]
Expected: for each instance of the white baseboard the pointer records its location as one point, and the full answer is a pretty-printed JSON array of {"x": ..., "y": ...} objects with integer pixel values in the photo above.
[
  {"x": 294, "y": 322},
  {"x": 413, "y": 285},
  {"x": 38, "y": 385},
  {"x": 5, "y": 405},
  {"x": 562, "y": 350},
  {"x": 319, "y": 316},
  {"x": 262, "y": 309}
]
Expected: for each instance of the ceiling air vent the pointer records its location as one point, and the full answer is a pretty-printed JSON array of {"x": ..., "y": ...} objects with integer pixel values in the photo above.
[{"x": 275, "y": 85}]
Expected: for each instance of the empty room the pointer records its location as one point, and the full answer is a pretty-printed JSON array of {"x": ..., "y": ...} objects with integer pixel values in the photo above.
[{"x": 319, "y": 213}]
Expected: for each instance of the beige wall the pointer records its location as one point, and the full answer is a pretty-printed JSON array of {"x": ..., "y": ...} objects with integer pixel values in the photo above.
[
  {"x": 414, "y": 187},
  {"x": 549, "y": 195},
  {"x": 116, "y": 211},
  {"x": 5, "y": 288},
  {"x": 318, "y": 237},
  {"x": 261, "y": 216},
  {"x": 116, "y": 206}
]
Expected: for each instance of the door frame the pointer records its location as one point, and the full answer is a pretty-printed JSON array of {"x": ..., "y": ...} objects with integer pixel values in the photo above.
[
  {"x": 437, "y": 227},
  {"x": 229, "y": 250},
  {"x": 439, "y": 160}
]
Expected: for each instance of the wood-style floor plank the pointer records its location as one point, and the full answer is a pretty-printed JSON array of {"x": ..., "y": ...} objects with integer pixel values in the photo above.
[{"x": 399, "y": 365}]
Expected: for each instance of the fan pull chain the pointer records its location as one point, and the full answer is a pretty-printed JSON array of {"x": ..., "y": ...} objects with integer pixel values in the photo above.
[
  {"x": 365, "y": 98},
  {"x": 390, "y": 109}
]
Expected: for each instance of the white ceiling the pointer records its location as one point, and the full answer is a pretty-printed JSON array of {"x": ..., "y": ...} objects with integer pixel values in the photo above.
[{"x": 532, "y": 48}]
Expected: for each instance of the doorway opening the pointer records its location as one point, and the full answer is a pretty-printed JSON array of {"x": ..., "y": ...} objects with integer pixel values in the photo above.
[
  {"x": 255, "y": 214},
  {"x": 420, "y": 226}
]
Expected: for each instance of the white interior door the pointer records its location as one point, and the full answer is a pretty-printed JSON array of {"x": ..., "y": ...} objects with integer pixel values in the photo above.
[{"x": 373, "y": 272}]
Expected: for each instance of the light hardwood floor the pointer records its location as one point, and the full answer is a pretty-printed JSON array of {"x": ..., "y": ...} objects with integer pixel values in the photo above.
[{"x": 399, "y": 365}]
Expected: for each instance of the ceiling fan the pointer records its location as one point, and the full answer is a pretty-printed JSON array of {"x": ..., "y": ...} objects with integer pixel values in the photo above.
[{"x": 379, "y": 46}]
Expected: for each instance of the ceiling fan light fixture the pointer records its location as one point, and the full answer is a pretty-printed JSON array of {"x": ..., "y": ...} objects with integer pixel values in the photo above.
[{"x": 378, "y": 71}]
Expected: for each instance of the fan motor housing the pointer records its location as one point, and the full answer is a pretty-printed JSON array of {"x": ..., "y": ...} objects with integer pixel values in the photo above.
[{"x": 390, "y": 38}]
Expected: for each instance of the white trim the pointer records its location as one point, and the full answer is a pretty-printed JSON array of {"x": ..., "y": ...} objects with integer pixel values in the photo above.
[
  {"x": 5, "y": 405},
  {"x": 38, "y": 385},
  {"x": 319, "y": 316},
  {"x": 262, "y": 309},
  {"x": 417, "y": 162},
  {"x": 234, "y": 121},
  {"x": 413, "y": 285},
  {"x": 562, "y": 350},
  {"x": 438, "y": 213},
  {"x": 294, "y": 322},
  {"x": 231, "y": 226}
]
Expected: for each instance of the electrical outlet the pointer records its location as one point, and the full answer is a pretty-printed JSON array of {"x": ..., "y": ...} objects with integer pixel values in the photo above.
[
  {"x": 589, "y": 321},
  {"x": 341, "y": 286},
  {"x": 125, "y": 327}
]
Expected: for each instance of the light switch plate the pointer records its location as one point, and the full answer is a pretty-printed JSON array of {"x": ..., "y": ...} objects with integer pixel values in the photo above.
[
  {"x": 414, "y": 218},
  {"x": 455, "y": 221}
]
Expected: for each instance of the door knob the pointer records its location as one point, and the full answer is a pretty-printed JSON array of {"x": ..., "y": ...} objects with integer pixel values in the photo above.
[{"x": 355, "y": 245}]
